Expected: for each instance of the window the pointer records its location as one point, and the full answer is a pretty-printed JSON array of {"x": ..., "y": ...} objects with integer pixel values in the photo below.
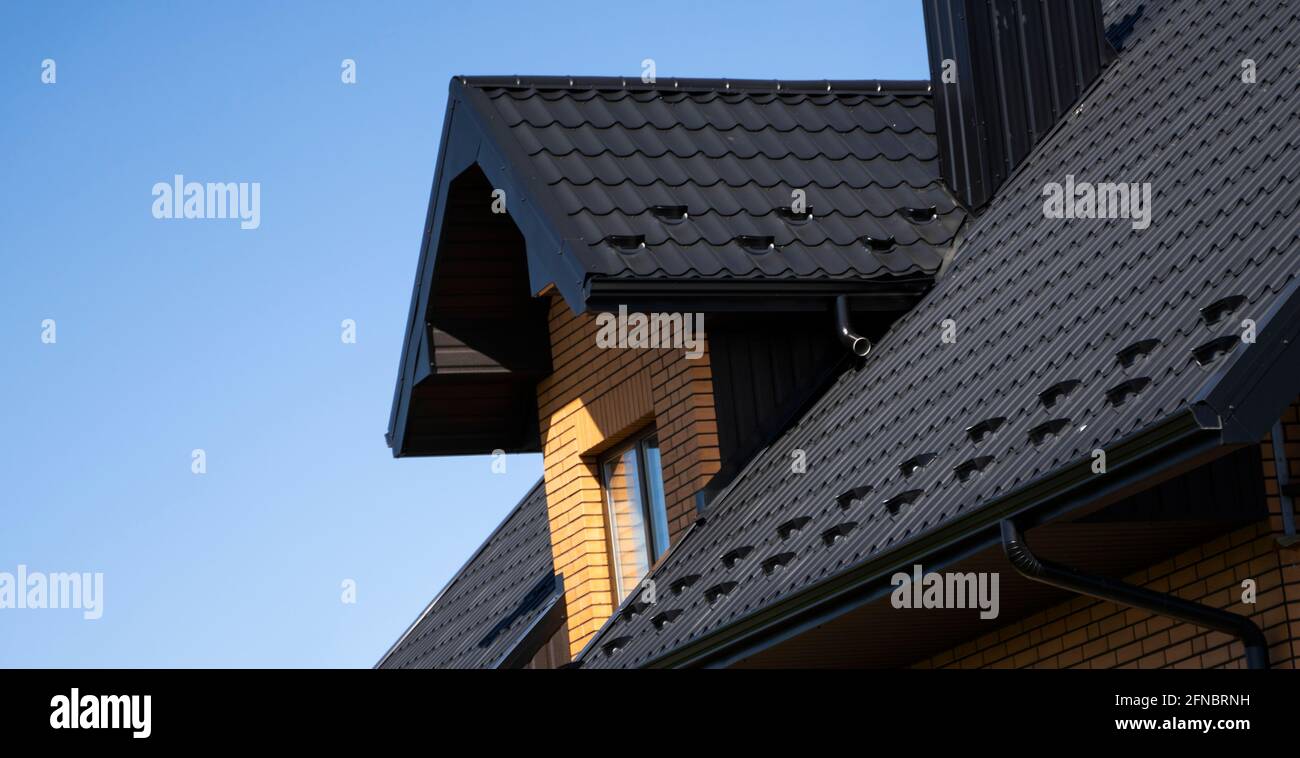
[{"x": 633, "y": 480}]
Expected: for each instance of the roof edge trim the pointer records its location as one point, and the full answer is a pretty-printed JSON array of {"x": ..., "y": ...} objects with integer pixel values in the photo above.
[
  {"x": 459, "y": 572},
  {"x": 548, "y": 617},
  {"x": 1250, "y": 391},
  {"x": 406, "y": 360}
]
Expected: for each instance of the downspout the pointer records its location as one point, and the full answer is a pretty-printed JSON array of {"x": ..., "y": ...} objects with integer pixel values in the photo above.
[
  {"x": 1046, "y": 572},
  {"x": 855, "y": 342},
  {"x": 1284, "y": 487}
]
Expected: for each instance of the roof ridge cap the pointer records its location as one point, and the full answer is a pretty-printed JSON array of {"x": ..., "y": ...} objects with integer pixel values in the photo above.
[{"x": 694, "y": 84}]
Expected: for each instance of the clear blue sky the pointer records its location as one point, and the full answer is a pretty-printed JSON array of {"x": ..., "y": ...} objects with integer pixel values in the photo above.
[{"x": 176, "y": 335}]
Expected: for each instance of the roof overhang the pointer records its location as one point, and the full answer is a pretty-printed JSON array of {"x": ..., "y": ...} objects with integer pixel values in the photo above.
[{"x": 467, "y": 376}]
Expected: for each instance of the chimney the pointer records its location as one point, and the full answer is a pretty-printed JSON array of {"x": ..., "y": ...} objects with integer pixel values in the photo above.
[{"x": 1004, "y": 73}]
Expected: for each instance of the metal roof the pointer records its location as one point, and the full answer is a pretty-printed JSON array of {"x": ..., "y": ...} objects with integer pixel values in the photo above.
[
  {"x": 690, "y": 179},
  {"x": 492, "y": 602},
  {"x": 679, "y": 192},
  {"x": 1072, "y": 335}
]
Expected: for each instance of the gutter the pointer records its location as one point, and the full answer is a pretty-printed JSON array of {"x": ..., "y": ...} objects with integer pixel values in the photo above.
[
  {"x": 1055, "y": 575},
  {"x": 614, "y": 288},
  {"x": 1181, "y": 440}
]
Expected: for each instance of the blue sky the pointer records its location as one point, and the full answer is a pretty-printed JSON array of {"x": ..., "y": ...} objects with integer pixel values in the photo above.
[{"x": 174, "y": 335}]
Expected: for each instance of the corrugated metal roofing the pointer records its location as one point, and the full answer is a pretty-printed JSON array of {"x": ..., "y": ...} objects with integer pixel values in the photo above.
[
  {"x": 493, "y": 599},
  {"x": 694, "y": 179},
  {"x": 1036, "y": 303}
]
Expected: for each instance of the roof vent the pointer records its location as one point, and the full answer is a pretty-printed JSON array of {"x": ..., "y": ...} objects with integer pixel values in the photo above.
[
  {"x": 922, "y": 215},
  {"x": 680, "y": 584},
  {"x": 967, "y": 469},
  {"x": 661, "y": 620},
  {"x": 792, "y": 526},
  {"x": 1214, "y": 349},
  {"x": 838, "y": 532},
  {"x": 916, "y": 463},
  {"x": 1220, "y": 309},
  {"x": 980, "y": 432},
  {"x": 1058, "y": 392},
  {"x": 846, "y": 498},
  {"x": 1048, "y": 429},
  {"x": 615, "y": 645},
  {"x": 896, "y": 502},
  {"x": 627, "y": 243},
  {"x": 776, "y": 561},
  {"x": 757, "y": 243},
  {"x": 1122, "y": 392},
  {"x": 719, "y": 590},
  {"x": 1138, "y": 350},
  {"x": 879, "y": 244},
  {"x": 632, "y": 610},
  {"x": 788, "y": 213},
  {"x": 734, "y": 556},
  {"x": 670, "y": 212}
]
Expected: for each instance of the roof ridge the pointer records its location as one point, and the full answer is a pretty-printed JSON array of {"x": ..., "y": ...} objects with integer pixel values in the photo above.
[{"x": 695, "y": 84}]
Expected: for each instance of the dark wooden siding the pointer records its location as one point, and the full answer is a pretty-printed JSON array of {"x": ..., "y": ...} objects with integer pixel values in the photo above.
[
  {"x": 554, "y": 654},
  {"x": 765, "y": 369},
  {"x": 485, "y": 344}
]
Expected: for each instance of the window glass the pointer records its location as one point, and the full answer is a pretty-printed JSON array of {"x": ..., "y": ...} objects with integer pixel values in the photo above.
[
  {"x": 654, "y": 477},
  {"x": 633, "y": 482},
  {"x": 627, "y": 521}
]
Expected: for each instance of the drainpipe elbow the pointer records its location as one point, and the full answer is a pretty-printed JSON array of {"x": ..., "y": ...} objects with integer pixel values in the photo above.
[
  {"x": 1018, "y": 552},
  {"x": 1067, "y": 578},
  {"x": 859, "y": 345}
]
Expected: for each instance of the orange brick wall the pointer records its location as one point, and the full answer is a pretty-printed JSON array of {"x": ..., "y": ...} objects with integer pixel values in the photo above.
[
  {"x": 1088, "y": 633},
  {"x": 594, "y": 399}
]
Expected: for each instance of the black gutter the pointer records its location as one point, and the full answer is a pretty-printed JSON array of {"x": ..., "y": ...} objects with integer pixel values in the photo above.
[
  {"x": 1055, "y": 575},
  {"x": 742, "y": 296},
  {"x": 1181, "y": 441}
]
